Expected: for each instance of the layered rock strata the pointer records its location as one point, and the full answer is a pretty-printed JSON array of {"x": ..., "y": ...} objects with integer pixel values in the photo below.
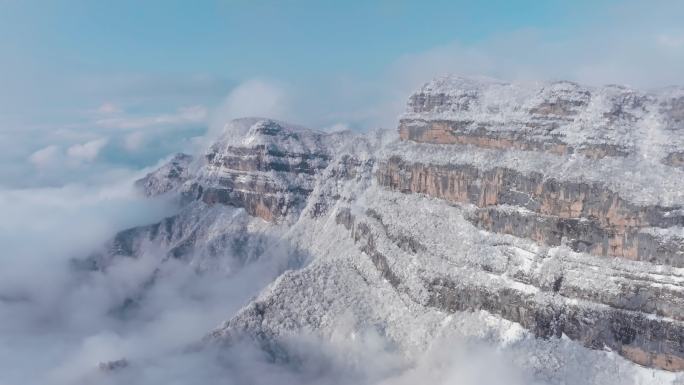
[
  {"x": 587, "y": 216},
  {"x": 269, "y": 172}
]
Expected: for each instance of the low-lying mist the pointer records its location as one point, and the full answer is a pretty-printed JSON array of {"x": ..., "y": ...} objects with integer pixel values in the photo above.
[{"x": 134, "y": 322}]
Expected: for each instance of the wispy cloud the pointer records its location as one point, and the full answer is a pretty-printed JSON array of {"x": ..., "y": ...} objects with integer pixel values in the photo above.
[
  {"x": 108, "y": 108},
  {"x": 45, "y": 156},
  {"x": 672, "y": 40},
  {"x": 134, "y": 141},
  {"x": 184, "y": 115},
  {"x": 253, "y": 98}
]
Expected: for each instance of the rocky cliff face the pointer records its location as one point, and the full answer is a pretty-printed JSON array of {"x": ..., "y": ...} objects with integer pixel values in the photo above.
[
  {"x": 554, "y": 207},
  {"x": 585, "y": 215},
  {"x": 565, "y": 121},
  {"x": 268, "y": 170}
]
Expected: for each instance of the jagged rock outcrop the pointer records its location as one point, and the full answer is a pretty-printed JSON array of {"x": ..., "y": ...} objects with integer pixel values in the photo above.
[
  {"x": 262, "y": 165},
  {"x": 207, "y": 237},
  {"x": 268, "y": 170},
  {"x": 555, "y": 207},
  {"x": 166, "y": 178}
]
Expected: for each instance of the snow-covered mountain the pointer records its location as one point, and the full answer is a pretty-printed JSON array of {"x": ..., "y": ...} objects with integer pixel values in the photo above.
[{"x": 545, "y": 218}]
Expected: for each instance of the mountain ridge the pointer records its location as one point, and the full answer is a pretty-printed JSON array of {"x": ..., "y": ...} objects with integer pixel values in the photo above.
[{"x": 539, "y": 216}]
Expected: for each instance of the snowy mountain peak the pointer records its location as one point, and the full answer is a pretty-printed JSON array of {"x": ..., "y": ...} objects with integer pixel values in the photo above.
[{"x": 274, "y": 136}]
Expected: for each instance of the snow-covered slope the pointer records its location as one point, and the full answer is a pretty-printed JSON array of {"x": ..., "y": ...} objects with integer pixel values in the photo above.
[{"x": 544, "y": 219}]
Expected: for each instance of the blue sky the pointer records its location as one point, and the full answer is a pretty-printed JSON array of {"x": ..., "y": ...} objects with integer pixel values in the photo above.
[
  {"x": 111, "y": 86},
  {"x": 246, "y": 38}
]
